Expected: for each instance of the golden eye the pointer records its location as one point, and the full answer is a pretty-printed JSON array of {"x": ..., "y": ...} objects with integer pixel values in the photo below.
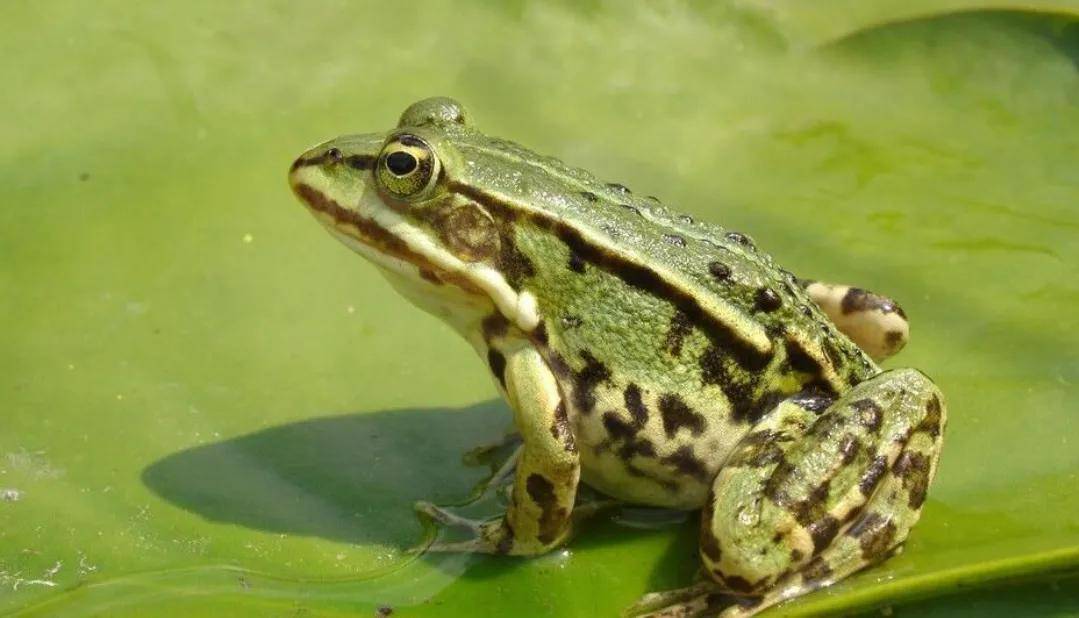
[{"x": 407, "y": 167}]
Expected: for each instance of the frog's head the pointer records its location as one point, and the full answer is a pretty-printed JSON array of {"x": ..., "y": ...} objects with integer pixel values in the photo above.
[{"x": 391, "y": 197}]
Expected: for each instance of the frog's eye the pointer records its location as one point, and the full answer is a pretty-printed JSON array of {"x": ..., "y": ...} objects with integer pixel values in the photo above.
[{"x": 407, "y": 167}]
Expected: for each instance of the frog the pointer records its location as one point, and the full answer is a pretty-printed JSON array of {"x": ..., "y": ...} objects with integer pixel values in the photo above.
[{"x": 655, "y": 358}]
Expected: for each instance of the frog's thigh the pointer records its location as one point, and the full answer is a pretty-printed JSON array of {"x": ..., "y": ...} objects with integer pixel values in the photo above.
[
  {"x": 545, "y": 483},
  {"x": 876, "y": 323},
  {"x": 808, "y": 499}
]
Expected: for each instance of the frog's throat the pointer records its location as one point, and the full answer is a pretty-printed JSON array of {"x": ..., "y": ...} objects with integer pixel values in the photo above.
[{"x": 393, "y": 243}]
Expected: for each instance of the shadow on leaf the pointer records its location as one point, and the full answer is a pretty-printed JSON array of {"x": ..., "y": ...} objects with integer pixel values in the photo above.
[{"x": 350, "y": 478}]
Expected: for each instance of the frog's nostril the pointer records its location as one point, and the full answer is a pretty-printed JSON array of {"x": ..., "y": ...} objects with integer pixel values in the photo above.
[{"x": 334, "y": 155}]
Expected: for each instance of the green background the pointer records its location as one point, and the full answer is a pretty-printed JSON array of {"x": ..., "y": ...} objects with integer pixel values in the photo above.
[{"x": 211, "y": 407}]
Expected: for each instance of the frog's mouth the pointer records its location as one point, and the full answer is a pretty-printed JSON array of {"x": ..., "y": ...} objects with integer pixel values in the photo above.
[{"x": 387, "y": 239}]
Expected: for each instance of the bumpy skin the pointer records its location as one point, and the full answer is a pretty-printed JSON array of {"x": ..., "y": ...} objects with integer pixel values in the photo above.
[{"x": 661, "y": 360}]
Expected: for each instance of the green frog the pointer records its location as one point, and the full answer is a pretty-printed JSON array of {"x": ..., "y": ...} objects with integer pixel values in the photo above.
[{"x": 659, "y": 359}]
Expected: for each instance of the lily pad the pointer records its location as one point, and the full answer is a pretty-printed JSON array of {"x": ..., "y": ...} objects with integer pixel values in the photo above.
[{"x": 210, "y": 407}]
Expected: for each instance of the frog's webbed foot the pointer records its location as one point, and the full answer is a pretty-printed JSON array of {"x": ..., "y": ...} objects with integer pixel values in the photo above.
[
  {"x": 488, "y": 536},
  {"x": 491, "y": 536},
  {"x": 876, "y": 323}
]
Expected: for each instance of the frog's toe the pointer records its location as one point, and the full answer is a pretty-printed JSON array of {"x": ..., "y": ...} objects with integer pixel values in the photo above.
[{"x": 446, "y": 518}]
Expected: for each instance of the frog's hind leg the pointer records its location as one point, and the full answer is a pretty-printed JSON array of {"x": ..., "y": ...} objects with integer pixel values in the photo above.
[
  {"x": 876, "y": 323},
  {"x": 818, "y": 489},
  {"x": 808, "y": 499}
]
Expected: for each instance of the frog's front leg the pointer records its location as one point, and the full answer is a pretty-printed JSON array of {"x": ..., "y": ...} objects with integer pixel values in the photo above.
[
  {"x": 547, "y": 469},
  {"x": 818, "y": 490},
  {"x": 876, "y": 323}
]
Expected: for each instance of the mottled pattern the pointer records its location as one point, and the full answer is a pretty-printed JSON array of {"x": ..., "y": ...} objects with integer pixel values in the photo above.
[{"x": 677, "y": 415}]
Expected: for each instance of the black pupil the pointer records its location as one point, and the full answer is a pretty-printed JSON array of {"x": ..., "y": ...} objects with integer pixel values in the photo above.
[{"x": 401, "y": 163}]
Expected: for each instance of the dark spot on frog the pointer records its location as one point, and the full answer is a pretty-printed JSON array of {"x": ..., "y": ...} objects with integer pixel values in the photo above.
[
  {"x": 774, "y": 487},
  {"x": 913, "y": 468},
  {"x": 688, "y": 220},
  {"x": 541, "y": 490},
  {"x": 678, "y": 330},
  {"x": 631, "y": 208},
  {"x": 516, "y": 266},
  {"x": 588, "y": 195},
  {"x": 709, "y": 542},
  {"x": 561, "y": 430},
  {"x": 892, "y": 339},
  {"x": 822, "y": 531},
  {"x": 857, "y": 299},
  {"x": 675, "y": 240},
  {"x": 710, "y": 545},
  {"x": 737, "y": 386},
  {"x": 617, "y": 427},
  {"x": 636, "y": 446},
  {"x": 817, "y": 573},
  {"x": 757, "y": 409},
  {"x": 586, "y": 380},
  {"x": 614, "y": 186},
  {"x": 806, "y": 311},
  {"x": 738, "y": 583},
  {"x": 719, "y": 271},
  {"x": 685, "y": 462},
  {"x": 539, "y": 334},
  {"x": 497, "y": 363},
  {"x": 767, "y": 300},
  {"x": 869, "y": 415},
  {"x": 848, "y": 448},
  {"x": 875, "y": 534},
  {"x": 559, "y": 366},
  {"x": 576, "y": 264},
  {"x": 741, "y": 239},
  {"x": 571, "y": 321},
  {"x": 933, "y": 414},
  {"x": 635, "y": 405},
  {"x": 872, "y": 475},
  {"x": 494, "y": 326},
  {"x": 676, "y": 415},
  {"x": 812, "y": 399}
]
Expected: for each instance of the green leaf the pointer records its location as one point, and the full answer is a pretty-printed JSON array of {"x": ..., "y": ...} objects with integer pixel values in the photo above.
[{"x": 211, "y": 407}]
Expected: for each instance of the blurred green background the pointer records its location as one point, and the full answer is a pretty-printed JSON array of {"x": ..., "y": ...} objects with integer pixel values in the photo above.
[{"x": 212, "y": 408}]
